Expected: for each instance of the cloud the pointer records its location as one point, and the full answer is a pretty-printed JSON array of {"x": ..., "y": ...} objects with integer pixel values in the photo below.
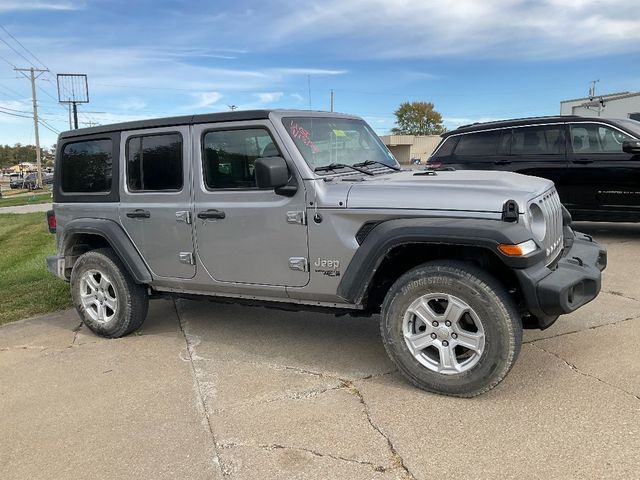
[
  {"x": 308, "y": 71},
  {"x": 63, "y": 5},
  {"x": 206, "y": 99},
  {"x": 297, "y": 97},
  {"x": 269, "y": 97},
  {"x": 489, "y": 28}
]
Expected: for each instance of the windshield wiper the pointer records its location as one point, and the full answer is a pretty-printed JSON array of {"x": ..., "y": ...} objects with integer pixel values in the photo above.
[
  {"x": 334, "y": 166},
  {"x": 373, "y": 162}
]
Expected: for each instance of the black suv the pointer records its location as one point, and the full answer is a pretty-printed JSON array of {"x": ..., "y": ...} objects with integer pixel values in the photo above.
[{"x": 594, "y": 162}]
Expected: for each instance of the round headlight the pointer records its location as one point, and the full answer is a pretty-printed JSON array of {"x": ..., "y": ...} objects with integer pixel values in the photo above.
[{"x": 538, "y": 222}]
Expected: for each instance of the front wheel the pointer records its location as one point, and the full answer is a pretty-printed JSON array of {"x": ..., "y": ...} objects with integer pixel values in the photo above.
[
  {"x": 451, "y": 328},
  {"x": 107, "y": 299}
]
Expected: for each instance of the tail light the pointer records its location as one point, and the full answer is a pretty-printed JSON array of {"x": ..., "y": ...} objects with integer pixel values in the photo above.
[{"x": 51, "y": 221}]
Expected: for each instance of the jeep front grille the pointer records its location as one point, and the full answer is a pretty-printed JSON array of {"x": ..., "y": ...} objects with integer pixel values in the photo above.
[{"x": 551, "y": 207}]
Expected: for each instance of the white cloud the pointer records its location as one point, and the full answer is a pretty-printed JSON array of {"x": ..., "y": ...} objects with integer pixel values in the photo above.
[
  {"x": 206, "y": 99},
  {"x": 489, "y": 28},
  {"x": 297, "y": 97},
  {"x": 308, "y": 71},
  {"x": 9, "y": 5},
  {"x": 269, "y": 97}
]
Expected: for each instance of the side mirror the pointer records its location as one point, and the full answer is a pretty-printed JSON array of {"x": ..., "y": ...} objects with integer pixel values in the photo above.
[
  {"x": 271, "y": 172},
  {"x": 631, "y": 146}
]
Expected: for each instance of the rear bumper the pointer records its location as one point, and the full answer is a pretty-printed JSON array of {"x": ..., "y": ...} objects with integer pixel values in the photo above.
[
  {"x": 572, "y": 283},
  {"x": 55, "y": 265}
]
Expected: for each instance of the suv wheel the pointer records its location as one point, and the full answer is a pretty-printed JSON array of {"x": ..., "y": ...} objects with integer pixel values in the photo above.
[
  {"x": 107, "y": 299},
  {"x": 451, "y": 328}
]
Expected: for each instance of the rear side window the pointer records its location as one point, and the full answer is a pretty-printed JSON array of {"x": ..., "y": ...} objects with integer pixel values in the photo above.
[
  {"x": 482, "y": 143},
  {"x": 154, "y": 162},
  {"x": 446, "y": 148},
  {"x": 537, "y": 140},
  {"x": 87, "y": 166},
  {"x": 230, "y": 155}
]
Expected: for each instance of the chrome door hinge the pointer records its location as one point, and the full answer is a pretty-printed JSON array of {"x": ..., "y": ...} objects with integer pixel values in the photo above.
[
  {"x": 298, "y": 217},
  {"x": 186, "y": 257},
  {"x": 300, "y": 264},
  {"x": 183, "y": 216}
]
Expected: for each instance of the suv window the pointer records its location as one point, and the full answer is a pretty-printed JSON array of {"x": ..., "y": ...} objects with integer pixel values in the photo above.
[
  {"x": 537, "y": 140},
  {"x": 154, "y": 162},
  {"x": 446, "y": 148},
  {"x": 594, "y": 138},
  {"x": 482, "y": 143},
  {"x": 229, "y": 156},
  {"x": 87, "y": 166}
]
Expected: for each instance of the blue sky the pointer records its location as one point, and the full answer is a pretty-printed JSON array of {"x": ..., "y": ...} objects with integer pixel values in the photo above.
[{"x": 476, "y": 60}]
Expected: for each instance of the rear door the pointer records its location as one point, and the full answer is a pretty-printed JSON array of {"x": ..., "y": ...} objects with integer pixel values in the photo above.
[
  {"x": 540, "y": 150},
  {"x": 603, "y": 177},
  {"x": 155, "y": 204}
]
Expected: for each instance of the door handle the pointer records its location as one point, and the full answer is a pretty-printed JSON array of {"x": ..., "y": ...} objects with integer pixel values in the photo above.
[
  {"x": 139, "y": 213},
  {"x": 582, "y": 161},
  {"x": 502, "y": 162},
  {"x": 212, "y": 213}
]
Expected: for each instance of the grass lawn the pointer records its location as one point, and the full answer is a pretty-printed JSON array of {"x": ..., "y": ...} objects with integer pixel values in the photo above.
[
  {"x": 26, "y": 286},
  {"x": 26, "y": 199}
]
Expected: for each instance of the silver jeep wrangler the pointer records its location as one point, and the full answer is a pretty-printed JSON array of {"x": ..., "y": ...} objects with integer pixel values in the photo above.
[{"x": 309, "y": 210}]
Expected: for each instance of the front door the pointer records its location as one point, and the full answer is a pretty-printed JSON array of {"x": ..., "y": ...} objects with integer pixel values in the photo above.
[
  {"x": 603, "y": 176},
  {"x": 244, "y": 234},
  {"x": 156, "y": 199}
]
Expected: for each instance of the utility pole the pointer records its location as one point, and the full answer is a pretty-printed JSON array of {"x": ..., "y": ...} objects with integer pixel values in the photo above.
[
  {"x": 32, "y": 76},
  {"x": 331, "y": 101}
]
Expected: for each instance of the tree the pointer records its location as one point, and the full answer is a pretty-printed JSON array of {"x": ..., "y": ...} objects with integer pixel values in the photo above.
[{"x": 418, "y": 118}]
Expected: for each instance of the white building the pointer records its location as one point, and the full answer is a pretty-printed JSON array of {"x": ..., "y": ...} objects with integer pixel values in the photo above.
[
  {"x": 406, "y": 147},
  {"x": 613, "y": 105}
]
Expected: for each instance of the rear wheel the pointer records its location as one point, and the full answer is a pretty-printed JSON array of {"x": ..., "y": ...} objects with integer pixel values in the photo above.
[
  {"x": 451, "y": 328},
  {"x": 107, "y": 299}
]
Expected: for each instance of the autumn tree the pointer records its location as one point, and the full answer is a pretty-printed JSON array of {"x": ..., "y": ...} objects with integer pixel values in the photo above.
[{"x": 418, "y": 118}]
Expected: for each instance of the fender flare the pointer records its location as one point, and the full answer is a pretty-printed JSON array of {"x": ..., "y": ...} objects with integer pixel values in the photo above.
[
  {"x": 117, "y": 239},
  {"x": 386, "y": 236}
]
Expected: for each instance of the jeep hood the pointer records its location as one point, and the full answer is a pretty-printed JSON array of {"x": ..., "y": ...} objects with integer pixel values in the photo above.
[{"x": 464, "y": 190}]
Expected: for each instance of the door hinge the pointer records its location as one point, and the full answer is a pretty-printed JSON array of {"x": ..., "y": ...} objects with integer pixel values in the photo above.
[
  {"x": 183, "y": 216},
  {"x": 186, "y": 257},
  {"x": 298, "y": 217},
  {"x": 300, "y": 264}
]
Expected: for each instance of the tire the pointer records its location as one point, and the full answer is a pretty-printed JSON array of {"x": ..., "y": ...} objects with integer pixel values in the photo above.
[
  {"x": 469, "y": 356},
  {"x": 107, "y": 299}
]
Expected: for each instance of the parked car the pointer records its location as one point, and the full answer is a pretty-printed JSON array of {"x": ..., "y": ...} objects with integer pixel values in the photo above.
[
  {"x": 310, "y": 211},
  {"x": 15, "y": 180},
  {"x": 30, "y": 181},
  {"x": 594, "y": 162}
]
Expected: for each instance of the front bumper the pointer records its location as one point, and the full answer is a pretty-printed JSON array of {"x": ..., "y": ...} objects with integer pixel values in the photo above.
[{"x": 574, "y": 281}]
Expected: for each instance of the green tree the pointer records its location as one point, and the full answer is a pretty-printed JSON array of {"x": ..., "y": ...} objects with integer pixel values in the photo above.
[{"x": 418, "y": 118}]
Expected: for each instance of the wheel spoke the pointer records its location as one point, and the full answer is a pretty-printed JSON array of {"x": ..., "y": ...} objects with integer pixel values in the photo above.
[
  {"x": 448, "y": 360},
  {"x": 455, "y": 310},
  {"x": 91, "y": 282},
  {"x": 471, "y": 340},
  {"x": 423, "y": 312},
  {"x": 100, "y": 312},
  {"x": 112, "y": 303},
  {"x": 418, "y": 342},
  {"x": 104, "y": 283}
]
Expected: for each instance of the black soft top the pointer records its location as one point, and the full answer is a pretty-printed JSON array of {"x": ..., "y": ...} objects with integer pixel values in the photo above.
[{"x": 234, "y": 116}]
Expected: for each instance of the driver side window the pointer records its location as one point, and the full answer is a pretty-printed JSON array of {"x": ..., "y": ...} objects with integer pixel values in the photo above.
[
  {"x": 229, "y": 156},
  {"x": 596, "y": 138}
]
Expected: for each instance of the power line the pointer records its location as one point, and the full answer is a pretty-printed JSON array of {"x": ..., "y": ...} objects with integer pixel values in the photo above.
[
  {"x": 25, "y": 48},
  {"x": 15, "y": 114}
]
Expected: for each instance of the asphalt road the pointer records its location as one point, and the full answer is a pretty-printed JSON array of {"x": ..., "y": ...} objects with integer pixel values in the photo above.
[{"x": 214, "y": 391}]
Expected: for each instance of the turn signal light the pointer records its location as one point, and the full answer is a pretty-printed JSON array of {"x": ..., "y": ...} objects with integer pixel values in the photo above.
[{"x": 518, "y": 250}]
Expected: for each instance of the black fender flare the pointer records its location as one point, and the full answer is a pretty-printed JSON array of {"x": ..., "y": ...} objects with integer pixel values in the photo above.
[
  {"x": 113, "y": 233},
  {"x": 387, "y": 235}
]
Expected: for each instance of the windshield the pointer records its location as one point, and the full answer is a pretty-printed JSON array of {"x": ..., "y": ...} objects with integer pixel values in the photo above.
[{"x": 326, "y": 141}]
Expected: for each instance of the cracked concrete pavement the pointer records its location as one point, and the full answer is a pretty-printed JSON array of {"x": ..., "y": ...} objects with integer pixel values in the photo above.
[{"x": 224, "y": 391}]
